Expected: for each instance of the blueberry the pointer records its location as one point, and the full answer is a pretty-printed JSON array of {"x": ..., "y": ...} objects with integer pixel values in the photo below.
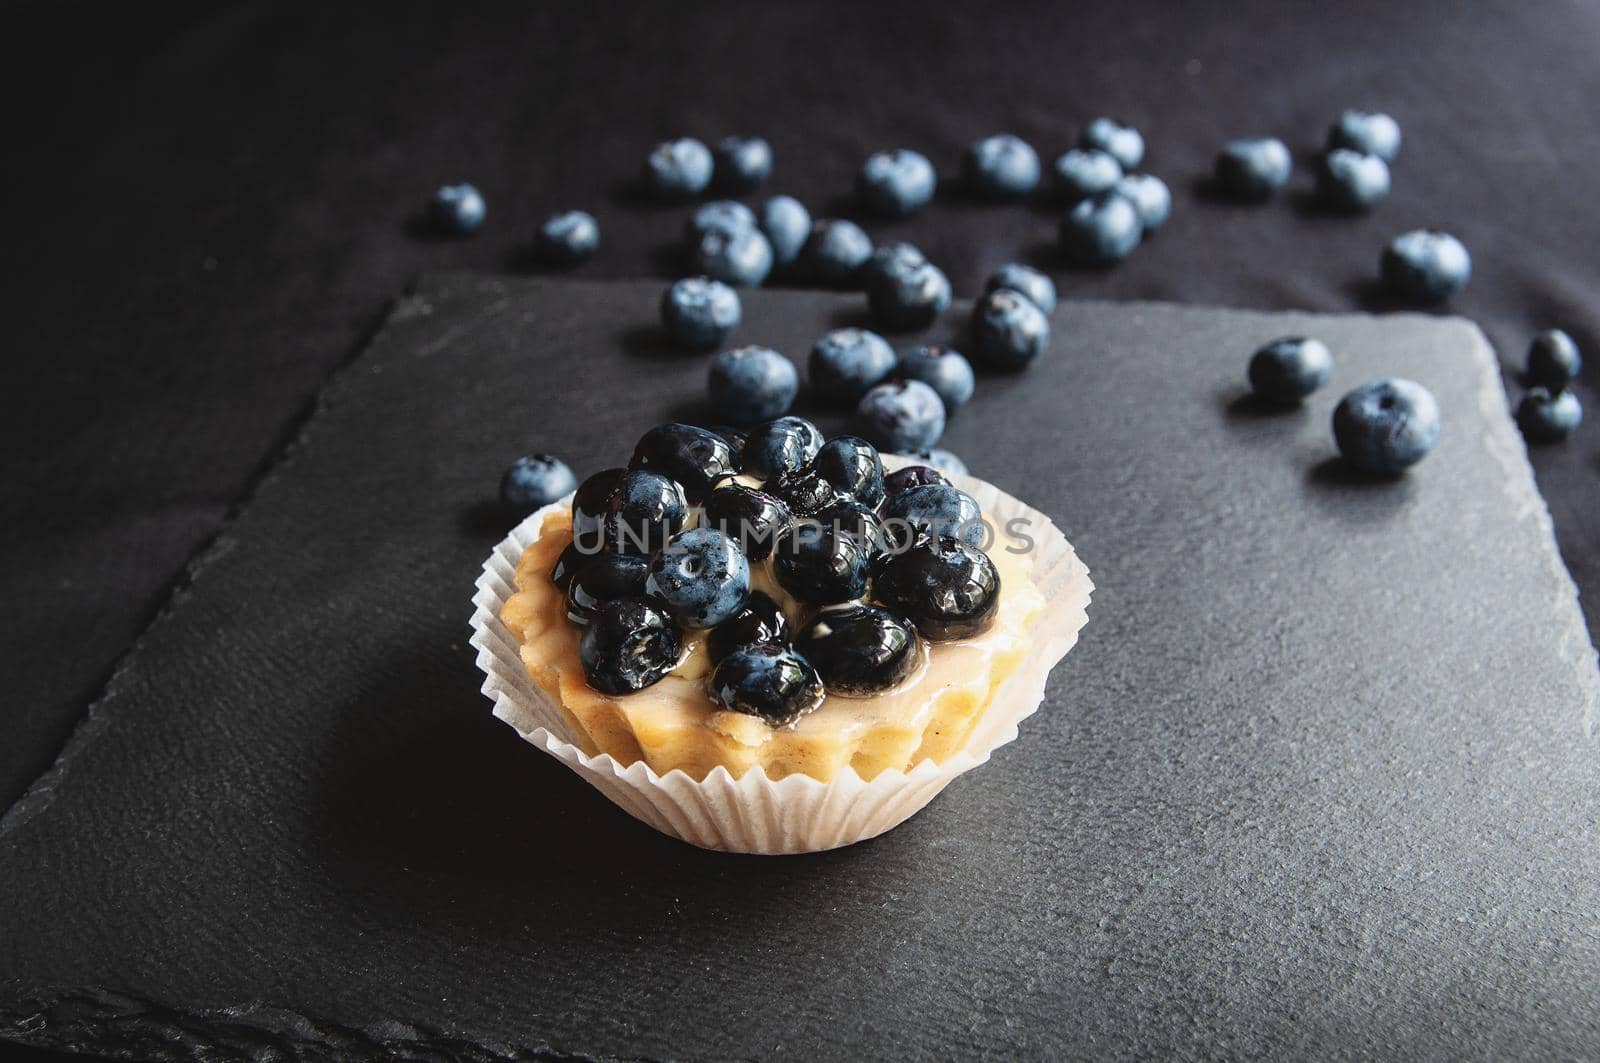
[
  {"x": 457, "y": 209},
  {"x": 760, "y": 623},
  {"x": 1000, "y": 167},
  {"x": 1252, "y": 169},
  {"x": 726, "y": 216},
  {"x": 944, "y": 370},
  {"x": 820, "y": 564},
  {"x": 907, "y": 292},
  {"x": 896, "y": 183},
  {"x": 787, "y": 224},
  {"x": 1081, "y": 173},
  {"x": 568, "y": 238},
  {"x": 678, "y": 169},
  {"x": 700, "y": 313},
  {"x": 904, "y": 479},
  {"x": 1425, "y": 265},
  {"x": 741, "y": 163},
  {"x": 1349, "y": 180},
  {"x": 853, "y": 467},
  {"x": 644, "y": 511},
  {"x": 589, "y": 506},
  {"x": 804, "y": 491},
  {"x": 1387, "y": 425},
  {"x": 1288, "y": 369},
  {"x": 567, "y": 564},
  {"x": 695, "y": 457},
  {"x": 1553, "y": 361},
  {"x": 535, "y": 481},
  {"x": 835, "y": 252},
  {"x": 1038, "y": 288},
  {"x": 938, "y": 460},
  {"x": 772, "y": 682},
  {"x": 752, "y": 517},
  {"x": 1370, "y": 134},
  {"x": 846, "y": 362},
  {"x": 860, "y": 649},
  {"x": 1150, "y": 198},
  {"x": 603, "y": 578},
  {"x": 933, "y": 510},
  {"x": 1123, "y": 143},
  {"x": 701, "y": 576},
  {"x": 1100, "y": 230},
  {"x": 852, "y": 518},
  {"x": 1008, "y": 332},
  {"x": 735, "y": 438},
  {"x": 752, "y": 384},
  {"x": 948, "y": 589},
  {"x": 629, "y": 645},
  {"x": 1546, "y": 418},
  {"x": 779, "y": 446},
  {"x": 901, "y": 415},
  {"x": 742, "y": 258}
]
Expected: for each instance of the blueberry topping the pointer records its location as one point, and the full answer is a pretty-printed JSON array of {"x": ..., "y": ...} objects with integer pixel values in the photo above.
[
  {"x": 853, "y": 467},
  {"x": 700, "y": 313},
  {"x": 933, "y": 509},
  {"x": 742, "y": 258},
  {"x": 1386, "y": 426},
  {"x": 739, "y": 164},
  {"x": 1026, "y": 281},
  {"x": 752, "y": 384},
  {"x": 629, "y": 645},
  {"x": 1425, "y": 266},
  {"x": 938, "y": 459},
  {"x": 1102, "y": 229},
  {"x": 589, "y": 506},
  {"x": 860, "y": 649},
  {"x": 760, "y": 622},
  {"x": 726, "y": 216},
  {"x": 779, "y": 446},
  {"x": 701, "y": 576},
  {"x": 858, "y": 521},
  {"x": 567, "y": 565},
  {"x": 1121, "y": 142},
  {"x": 735, "y": 438},
  {"x": 1546, "y": 418},
  {"x": 804, "y": 491},
  {"x": 1348, "y": 180},
  {"x": 695, "y": 457},
  {"x": 568, "y": 238},
  {"x": 835, "y": 252},
  {"x": 943, "y": 369},
  {"x": 912, "y": 476},
  {"x": 1252, "y": 169},
  {"x": 1081, "y": 173},
  {"x": 896, "y": 183},
  {"x": 902, "y": 414},
  {"x": 604, "y": 578},
  {"x": 948, "y": 589},
  {"x": 1289, "y": 369},
  {"x": 1008, "y": 332},
  {"x": 1150, "y": 196},
  {"x": 787, "y": 223},
  {"x": 1370, "y": 134},
  {"x": 457, "y": 209},
  {"x": 820, "y": 564},
  {"x": 753, "y": 518},
  {"x": 1000, "y": 167},
  {"x": 533, "y": 482},
  {"x": 1553, "y": 360},
  {"x": 678, "y": 169},
  {"x": 846, "y": 362},
  {"x": 772, "y": 682},
  {"x": 644, "y": 511},
  {"x": 907, "y": 291}
]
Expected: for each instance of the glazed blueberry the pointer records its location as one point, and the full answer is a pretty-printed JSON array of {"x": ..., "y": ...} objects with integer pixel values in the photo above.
[
  {"x": 858, "y": 521},
  {"x": 1386, "y": 426},
  {"x": 604, "y": 578},
  {"x": 853, "y": 467},
  {"x": 1081, "y": 173},
  {"x": 780, "y": 446},
  {"x": 1370, "y": 134},
  {"x": 567, "y": 564},
  {"x": 727, "y": 216},
  {"x": 760, "y": 623},
  {"x": 1150, "y": 198},
  {"x": 1348, "y": 180},
  {"x": 787, "y": 223},
  {"x": 1038, "y": 288},
  {"x": 944, "y": 370},
  {"x": 741, "y": 163},
  {"x": 1252, "y": 169},
  {"x": 1008, "y": 332},
  {"x": 749, "y": 385},
  {"x": 1122, "y": 142},
  {"x": 846, "y": 362},
  {"x": 1000, "y": 167},
  {"x": 804, "y": 491},
  {"x": 753, "y": 518},
  {"x": 908, "y": 292},
  {"x": 695, "y": 457},
  {"x": 901, "y": 415},
  {"x": 933, "y": 510},
  {"x": 678, "y": 169},
  {"x": 629, "y": 645},
  {"x": 948, "y": 589},
  {"x": 644, "y": 511},
  {"x": 938, "y": 460},
  {"x": 1102, "y": 229},
  {"x": 910, "y": 476},
  {"x": 568, "y": 238},
  {"x": 1425, "y": 266},
  {"x": 896, "y": 183},
  {"x": 457, "y": 209},
  {"x": 772, "y": 682},
  {"x": 860, "y": 649},
  {"x": 1553, "y": 361},
  {"x": 835, "y": 252},
  {"x": 820, "y": 564},
  {"x": 1546, "y": 418},
  {"x": 742, "y": 258},
  {"x": 589, "y": 506},
  {"x": 700, "y": 313},
  {"x": 701, "y": 576},
  {"x": 735, "y": 438},
  {"x": 533, "y": 482},
  {"x": 1288, "y": 369}
]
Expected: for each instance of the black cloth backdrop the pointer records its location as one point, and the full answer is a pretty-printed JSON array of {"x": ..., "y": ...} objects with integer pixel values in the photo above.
[{"x": 207, "y": 210}]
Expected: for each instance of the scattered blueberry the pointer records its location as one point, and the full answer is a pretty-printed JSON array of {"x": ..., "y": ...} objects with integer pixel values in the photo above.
[
  {"x": 846, "y": 362},
  {"x": 1387, "y": 425},
  {"x": 772, "y": 682},
  {"x": 457, "y": 209},
  {"x": 804, "y": 491},
  {"x": 860, "y": 649},
  {"x": 694, "y": 457},
  {"x": 603, "y": 578},
  {"x": 533, "y": 482},
  {"x": 904, "y": 290},
  {"x": 741, "y": 163},
  {"x": 1288, "y": 369},
  {"x": 742, "y": 258},
  {"x": 896, "y": 183},
  {"x": 1102, "y": 229},
  {"x": 629, "y": 645},
  {"x": 933, "y": 510},
  {"x": 589, "y": 506},
  {"x": 1425, "y": 265},
  {"x": 1008, "y": 332},
  {"x": 1553, "y": 361},
  {"x": 568, "y": 238},
  {"x": 1252, "y": 169},
  {"x": 944, "y": 370},
  {"x": 1024, "y": 280},
  {"x": 1000, "y": 167},
  {"x": 1123, "y": 143},
  {"x": 749, "y": 385},
  {"x": 678, "y": 169},
  {"x": 948, "y": 589},
  {"x": 760, "y": 623},
  {"x": 645, "y": 510},
  {"x": 1349, "y": 180},
  {"x": 700, "y": 313},
  {"x": 726, "y": 216},
  {"x": 835, "y": 251},
  {"x": 1080, "y": 173},
  {"x": 787, "y": 223},
  {"x": 904, "y": 479},
  {"x": 938, "y": 460},
  {"x": 901, "y": 415},
  {"x": 752, "y": 517},
  {"x": 853, "y": 467},
  {"x": 820, "y": 564},
  {"x": 1150, "y": 197},
  {"x": 701, "y": 576},
  {"x": 1370, "y": 134},
  {"x": 1546, "y": 417},
  {"x": 783, "y": 445}
]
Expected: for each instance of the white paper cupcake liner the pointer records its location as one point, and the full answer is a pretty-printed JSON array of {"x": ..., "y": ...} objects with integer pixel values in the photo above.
[{"x": 795, "y": 814}]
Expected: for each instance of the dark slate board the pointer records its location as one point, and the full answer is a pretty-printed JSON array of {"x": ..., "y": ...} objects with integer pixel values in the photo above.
[{"x": 1320, "y": 778}]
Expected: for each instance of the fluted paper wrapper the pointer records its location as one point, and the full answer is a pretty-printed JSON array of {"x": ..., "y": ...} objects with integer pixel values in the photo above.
[{"x": 795, "y": 814}]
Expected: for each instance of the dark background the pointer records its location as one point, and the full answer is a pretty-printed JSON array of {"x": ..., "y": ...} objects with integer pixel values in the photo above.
[{"x": 207, "y": 211}]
